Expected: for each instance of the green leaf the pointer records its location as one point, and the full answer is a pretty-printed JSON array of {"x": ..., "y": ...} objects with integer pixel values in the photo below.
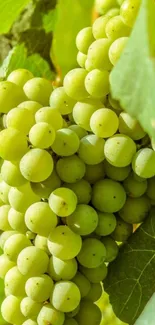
[
  {"x": 147, "y": 316},
  {"x": 49, "y": 20},
  {"x": 130, "y": 281},
  {"x": 9, "y": 11},
  {"x": 39, "y": 67},
  {"x": 133, "y": 78}
]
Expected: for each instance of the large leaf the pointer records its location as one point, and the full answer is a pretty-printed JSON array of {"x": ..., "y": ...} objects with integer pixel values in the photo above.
[
  {"x": 130, "y": 281},
  {"x": 133, "y": 78}
]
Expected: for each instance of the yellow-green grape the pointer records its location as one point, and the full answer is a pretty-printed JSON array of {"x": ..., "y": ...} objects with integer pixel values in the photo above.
[
  {"x": 114, "y": 103},
  {"x": 29, "y": 307},
  {"x": 66, "y": 142},
  {"x": 62, "y": 238},
  {"x": 98, "y": 57},
  {"x": 70, "y": 169},
  {"x": 74, "y": 84},
  {"x": 120, "y": 2},
  {"x": 106, "y": 223},
  {"x": 13, "y": 144},
  {"x": 20, "y": 198},
  {"x": 61, "y": 101},
  {"x": 99, "y": 25},
  {"x": 97, "y": 83},
  {"x": 49, "y": 315},
  {"x": 32, "y": 261},
  {"x": 16, "y": 220},
  {"x": 11, "y": 95},
  {"x": 104, "y": 123},
  {"x": 44, "y": 189},
  {"x": 143, "y": 163},
  {"x": 95, "y": 292},
  {"x": 92, "y": 253},
  {"x": 111, "y": 248},
  {"x": 103, "y": 6},
  {"x": 4, "y": 223},
  {"x": 129, "y": 10},
  {"x": 130, "y": 126},
  {"x": 11, "y": 174},
  {"x": 20, "y": 119},
  {"x": 94, "y": 173},
  {"x": 150, "y": 192},
  {"x": 30, "y": 235},
  {"x": 115, "y": 28},
  {"x": 116, "y": 173},
  {"x": 70, "y": 321},
  {"x": 10, "y": 310},
  {"x": 119, "y": 150},
  {"x": 83, "y": 220},
  {"x": 91, "y": 149},
  {"x": 62, "y": 270},
  {"x": 95, "y": 275},
  {"x": 89, "y": 313},
  {"x": 153, "y": 143},
  {"x": 113, "y": 12},
  {"x": 5, "y": 265},
  {"x": 81, "y": 132},
  {"x": 73, "y": 312},
  {"x": 108, "y": 196},
  {"x": 31, "y": 105},
  {"x": 135, "y": 210},
  {"x": 20, "y": 76},
  {"x": 82, "y": 283},
  {"x": 81, "y": 59},
  {"x": 15, "y": 282},
  {"x": 133, "y": 187},
  {"x": 41, "y": 242},
  {"x": 39, "y": 90},
  {"x": 39, "y": 288},
  {"x": 5, "y": 235},
  {"x": 42, "y": 135},
  {"x": 65, "y": 296},
  {"x": 82, "y": 189},
  {"x": 14, "y": 245},
  {"x": 138, "y": 178},
  {"x": 4, "y": 192},
  {"x": 36, "y": 165},
  {"x": 83, "y": 111},
  {"x": 122, "y": 231},
  {"x": 30, "y": 322},
  {"x": 49, "y": 115},
  {"x": 84, "y": 39},
  {"x": 116, "y": 49},
  {"x": 63, "y": 201}
]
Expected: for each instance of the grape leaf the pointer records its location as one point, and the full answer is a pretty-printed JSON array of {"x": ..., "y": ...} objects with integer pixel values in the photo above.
[
  {"x": 130, "y": 281},
  {"x": 133, "y": 78},
  {"x": 147, "y": 315}
]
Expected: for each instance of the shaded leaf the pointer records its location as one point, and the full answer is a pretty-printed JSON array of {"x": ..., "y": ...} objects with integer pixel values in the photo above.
[{"x": 39, "y": 67}]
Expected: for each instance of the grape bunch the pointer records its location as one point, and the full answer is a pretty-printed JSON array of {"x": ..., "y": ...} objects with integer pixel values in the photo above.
[{"x": 77, "y": 172}]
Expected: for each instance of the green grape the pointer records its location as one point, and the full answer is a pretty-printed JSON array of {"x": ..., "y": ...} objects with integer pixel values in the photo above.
[
  {"x": 89, "y": 313},
  {"x": 14, "y": 245},
  {"x": 81, "y": 132},
  {"x": 116, "y": 173},
  {"x": 150, "y": 192},
  {"x": 73, "y": 312},
  {"x": 29, "y": 307},
  {"x": 91, "y": 149},
  {"x": 20, "y": 198},
  {"x": 119, "y": 150},
  {"x": 39, "y": 288},
  {"x": 95, "y": 275},
  {"x": 4, "y": 223},
  {"x": 82, "y": 283},
  {"x": 82, "y": 189},
  {"x": 51, "y": 116},
  {"x": 42, "y": 135},
  {"x": 106, "y": 223},
  {"x": 49, "y": 315},
  {"x": 113, "y": 12},
  {"x": 66, "y": 142},
  {"x": 138, "y": 178},
  {"x": 62, "y": 270},
  {"x": 95, "y": 292},
  {"x": 5, "y": 265},
  {"x": 63, "y": 201},
  {"x": 84, "y": 39},
  {"x": 40, "y": 219},
  {"x": 103, "y": 6},
  {"x": 115, "y": 28},
  {"x": 83, "y": 220},
  {"x": 130, "y": 126},
  {"x": 116, "y": 49},
  {"x": 36, "y": 165},
  {"x": 143, "y": 163},
  {"x": 31, "y": 105},
  {"x": 114, "y": 103},
  {"x": 70, "y": 321},
  {"x": 135, "y": 210},
  {"x": 74, "y": 84},
  {"x": 30, "y": 322},
  {"x": 92, "y": 253},
  {"x": 5, "y": 235},
  {"x": 41, "y": 242},
  {"x": 111, "y": 248},
  {"x": 20, "y": 77},
  {"x": 81, "y": 59},
  {"x": 32, "y": 261},
  {"x": 99, "y": 25},
  {"x": 15, "y": 282},
  {"x": 129, "y": 10},
  {"x": 44, "y": 189},
  {"x": 83, "y": 111},
  {"x": 10, "y": 310},
  {"x": 16, "y": 220},
  {"x": 20, "y": 119},
  {"x": 98, "y": 55},
  {"x": 97, "y": 83},
  {"x": 120, "y": 2},
  {"x": 4, "y": 192},
  {"x": 104, "y": 123},
  {"x": 70, "y": 169},
  {"x": 11, "y": 174},
  {"x": 108, "y": 196},
  {"x": 13, "y": 144},
  {"x": 133, "y": 187},
  {"x": 30, "y": 235},
  {"x": 39, "y": 90},
  {"x": 63, "y": 243},
  {"x": 61, "y": 101},
  {"x": 94, "y": 173},
  {"x": 11, "y": 95},
  {"x": 65, "y": 296},
  {"x": 122, "y": 231}
]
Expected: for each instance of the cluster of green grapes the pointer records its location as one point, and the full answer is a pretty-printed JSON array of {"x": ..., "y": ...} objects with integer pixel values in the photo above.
[{"x": 76, "y": 173}]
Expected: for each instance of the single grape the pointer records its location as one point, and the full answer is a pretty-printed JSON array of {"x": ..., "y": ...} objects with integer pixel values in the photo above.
[
  {"x": 82, "y": 283},
  {"x": 63, "y": 201},
  {"x": 113, "y": 11},
  {"x": 81, "y": 59},
  {"x": 13, "y": 144},
  {"x": 99, "y": 25},
  {"x": 11, "y": 174},
  {"x": 133, "y": 187},
  {"x": 51, "y": 116},
  {"x": 30, "y": 322},
  {"x": 84, "y": 39},
  {"x": 97, "y": 83},
  {"x": 129, "y": 10},
  {"x": 130, "y": 126},
  {"x": 61, "y": 101},
  {"x": 43, "y": 189},
  {"x": 115, "y": 28},
  {"x": 89, "y": 313},
  {"x": 5, "y": 265},
  {"x": 20, "y": 76},
  {"x": 15, "y": 282},
  {"x": 150, "y": 192},
  {"x": 74, "y": 84},
  {"x": 92, "y": 253},
  {"x": 95, "y": 275},
  {"x": 31, "y": 105},
  {"x": 41, "y": 242},
  {"x": 104, "y": 123},
  {"x": 42, "y": 135},
  {"x": 66, "y": 142},
  {"x": 114, "y": 103},
  {"x": 10, "y": 310},
  {"x": 16, "y": 220},
  {"x": 5, "y": 235},
  {"x": 122, "y": 231},
  {"x": 116, "y": 49},
  {"x": 95, "y": 292},
  {"x": 4, "y": 223},
  {"x": 81, "y": 132},
  {"x": 70, "y": 321},
  {"x": 11, "y": 95},
  {"x": 62, "y": 270},
  {"x": 135, "y": 210},
  {"x": 4, "y": 192},
  {"x": 143, "y": 163},
  {"x": 106, "y": 223},
  {"x": 73, "y": 312},
  {"x": 14, "y": 245},
  {"x": 20, "y": 119},
  {"x": 103, "y": 6},
  {"x": 32, "y": 261},
  {"x": 82, "y": 189},
  {"x": 49, "y": 315},
  {"x": 98, "y": 55},
  {"x": 39, "y": 288},
  {"x": 116, "y": 173},
  {"x": 94, "y": 173},
  {"x": 111, "y": 248},
  {"x": 29, "y": 307},
  {"x": 39, "y": 90},
  {"x": 70, "y": 169},
  {"x": 91, "y": 149}
]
